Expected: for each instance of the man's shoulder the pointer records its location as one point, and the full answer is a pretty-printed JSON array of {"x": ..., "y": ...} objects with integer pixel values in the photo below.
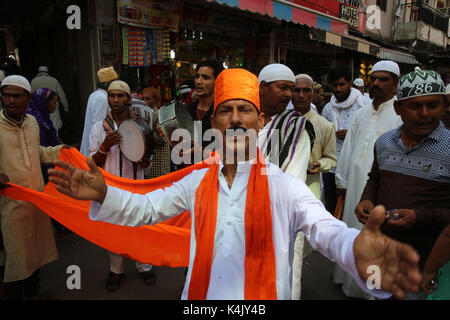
[{"x": 386, "y": 139}]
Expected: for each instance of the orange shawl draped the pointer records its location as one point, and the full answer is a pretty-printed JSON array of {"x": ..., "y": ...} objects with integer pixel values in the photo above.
[
  {"x": 260, "y": 268},
  {"x": 164, "y": 244}
]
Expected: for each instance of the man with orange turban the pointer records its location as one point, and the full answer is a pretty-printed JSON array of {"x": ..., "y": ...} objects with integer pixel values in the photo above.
[{"x": 244, "y": 221}]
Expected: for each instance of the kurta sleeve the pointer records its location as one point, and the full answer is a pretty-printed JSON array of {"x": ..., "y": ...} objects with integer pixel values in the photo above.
[
  {"x": 331, "y": 237},
  {"x": 95, "y": 138},
  {"x": 129, "y": 209},
  {"x": 344, "y": 161},
  {"x": 328, "y": 160},
  {"x": 371, "y": 189}
]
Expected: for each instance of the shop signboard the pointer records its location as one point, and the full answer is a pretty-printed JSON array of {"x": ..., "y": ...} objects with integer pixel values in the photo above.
[
  {"x": 350, "y": 13},
  {"x": 347, "y": 10},
  {"x": 150, "y": 13},
  {"x": 208, "y": 20}
]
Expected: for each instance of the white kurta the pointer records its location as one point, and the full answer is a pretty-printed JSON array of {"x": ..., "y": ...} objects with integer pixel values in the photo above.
[
  {"x": 354, "y": 165},
  {"x": 341, "y": 114},
  {"x": 293, "y": 206},
  {"x": 96, "y": 110}
]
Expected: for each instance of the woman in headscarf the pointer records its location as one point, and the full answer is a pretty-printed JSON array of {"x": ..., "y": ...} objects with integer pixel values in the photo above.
[{"x": 44, "y": 102}]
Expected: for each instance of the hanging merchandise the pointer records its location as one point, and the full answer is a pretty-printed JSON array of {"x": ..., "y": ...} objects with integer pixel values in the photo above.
[
  {"x": 144, "y": 47},
  {"x": 150, "y": 52},
  {"x": 166, "y": 44},
  {"x": 136, "y": 41},
  {"x": 159, "y": 45},
  {"x": 125, "y": 45}
]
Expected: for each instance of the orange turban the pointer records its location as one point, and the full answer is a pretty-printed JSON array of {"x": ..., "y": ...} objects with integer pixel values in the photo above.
[{"x": 236, "y": 84}]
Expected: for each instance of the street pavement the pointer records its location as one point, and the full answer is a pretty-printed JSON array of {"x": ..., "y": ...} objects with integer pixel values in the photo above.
[{"x": 93, "y": 263}]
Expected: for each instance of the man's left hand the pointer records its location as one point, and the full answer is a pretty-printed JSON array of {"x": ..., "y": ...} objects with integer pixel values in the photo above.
[
  {"x": 398, "y": 262},
  {"x": 315, "y": 168},
  {"x": 406, "y": 218}
]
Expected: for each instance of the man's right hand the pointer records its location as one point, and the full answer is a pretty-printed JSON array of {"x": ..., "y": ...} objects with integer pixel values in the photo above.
[
  {"x": 363, "y": 209},
  {"x": 4, "y": 179},
  {"x": 77, "y": 183},
  {"x": 112, "y": 139}
]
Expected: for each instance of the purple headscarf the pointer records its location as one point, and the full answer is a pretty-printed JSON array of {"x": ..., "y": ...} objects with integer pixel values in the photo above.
[{"x": 38, "y": 108}]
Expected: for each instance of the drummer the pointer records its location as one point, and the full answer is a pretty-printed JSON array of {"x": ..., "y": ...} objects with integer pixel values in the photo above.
[{"x": 104, "y": 148}]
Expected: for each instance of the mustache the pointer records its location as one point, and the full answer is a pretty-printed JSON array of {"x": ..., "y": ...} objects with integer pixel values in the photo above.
[{"x": 235, "y": 131}]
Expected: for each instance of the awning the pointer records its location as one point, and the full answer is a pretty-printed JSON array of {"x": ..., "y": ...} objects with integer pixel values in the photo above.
[
  {"x": 347, "y": 41},
  {"x": 289, "y": 12},
  {"x": 362, "y": 45}
]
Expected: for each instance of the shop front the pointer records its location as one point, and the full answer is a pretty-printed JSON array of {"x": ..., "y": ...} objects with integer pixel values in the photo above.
[
  {"x": 206, "y": 33},
  {"x": 142, "y": 44}
]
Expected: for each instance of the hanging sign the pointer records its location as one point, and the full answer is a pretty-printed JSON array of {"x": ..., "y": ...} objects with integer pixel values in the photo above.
[{"x": 150, "y": 14}]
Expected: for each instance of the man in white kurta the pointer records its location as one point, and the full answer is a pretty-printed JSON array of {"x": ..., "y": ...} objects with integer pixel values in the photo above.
[
  {"x": 117, "y": 164},
  {"x": 97, "y": 106},
  {"x": 339, "y": 111},
  {"x": 355, "y": 160},
  {"x": 294, "y": 208}
]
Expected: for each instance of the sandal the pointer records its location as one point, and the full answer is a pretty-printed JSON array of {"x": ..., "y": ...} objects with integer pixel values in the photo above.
[
  {"x": 113, "y": 281},
  {"x": 149, "y": 277}
]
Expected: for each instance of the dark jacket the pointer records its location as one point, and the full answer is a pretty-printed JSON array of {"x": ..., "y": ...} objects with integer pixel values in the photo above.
[{"x": 206, "y": 120}]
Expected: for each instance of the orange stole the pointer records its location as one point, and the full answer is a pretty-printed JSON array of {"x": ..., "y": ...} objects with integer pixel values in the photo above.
[
  {"x": 164, "y": 244},
  {"x": 260, "y": 266}
]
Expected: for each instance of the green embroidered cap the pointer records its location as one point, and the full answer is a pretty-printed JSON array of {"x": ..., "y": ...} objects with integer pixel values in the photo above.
[{"x": 420, "y": 83}]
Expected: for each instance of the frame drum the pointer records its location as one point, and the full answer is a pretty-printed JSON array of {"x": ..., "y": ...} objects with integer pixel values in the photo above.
[
  {"x": 137, "y": 139},
  {"x": 175, "y": 116}
]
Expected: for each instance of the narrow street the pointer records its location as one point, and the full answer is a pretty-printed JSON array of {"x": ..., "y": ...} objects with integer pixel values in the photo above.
[{"x": 94, "y": 266}]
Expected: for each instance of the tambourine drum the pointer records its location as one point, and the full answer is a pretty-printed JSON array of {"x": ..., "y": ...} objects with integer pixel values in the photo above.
[
  {"x": 137, "y": 139},
  {"x": 175, "y": 116}
]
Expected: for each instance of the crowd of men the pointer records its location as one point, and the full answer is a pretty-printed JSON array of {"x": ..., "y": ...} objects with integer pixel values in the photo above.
[{"x": 388, "y": 147}]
